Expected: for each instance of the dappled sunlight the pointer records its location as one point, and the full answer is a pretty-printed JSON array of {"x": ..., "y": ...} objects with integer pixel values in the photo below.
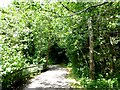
[{"x": 55, "y": 77}]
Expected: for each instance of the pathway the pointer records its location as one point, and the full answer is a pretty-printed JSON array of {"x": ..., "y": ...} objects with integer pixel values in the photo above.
[{"x": 55, "y": 77}]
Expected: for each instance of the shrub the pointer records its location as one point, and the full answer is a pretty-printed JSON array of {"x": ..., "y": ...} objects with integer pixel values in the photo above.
[{"x": 99, "y": 83}]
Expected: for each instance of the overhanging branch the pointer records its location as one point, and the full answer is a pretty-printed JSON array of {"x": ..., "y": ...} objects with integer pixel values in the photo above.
[
  {"x": 75, "y": 13},
  {"x": 67, "y": 8},
  {"x": 86, "y": 9}
]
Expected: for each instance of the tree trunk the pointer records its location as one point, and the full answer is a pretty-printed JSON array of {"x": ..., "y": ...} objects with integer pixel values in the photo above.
[{"x": 92, "y": 65}]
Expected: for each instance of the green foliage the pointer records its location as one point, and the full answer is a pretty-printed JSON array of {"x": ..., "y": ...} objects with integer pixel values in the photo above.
[
  {"x": 11, "y": 62},
  {"x": 105, "y": 52},
  {"x": 99, "y": 83},
  {"x": 18, "y": 43},
  {"x": 29, "y": 32}
]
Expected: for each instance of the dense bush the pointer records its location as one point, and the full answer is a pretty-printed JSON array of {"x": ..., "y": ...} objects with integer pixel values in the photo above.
[
  {"x": 11, "y": 62},
  {"x": 105, "y": 39},
  {"x": 18, "y": 44}
]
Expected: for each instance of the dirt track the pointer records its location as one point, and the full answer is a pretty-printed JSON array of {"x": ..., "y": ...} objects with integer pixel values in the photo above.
[{"x": 55, "y": 77}]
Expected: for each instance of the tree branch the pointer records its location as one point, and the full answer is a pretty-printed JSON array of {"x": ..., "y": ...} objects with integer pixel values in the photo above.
[
  {"x": 75, "y": 13},
  {"x": 86, "y": 9},
  {"x": 67, "y": 8}
]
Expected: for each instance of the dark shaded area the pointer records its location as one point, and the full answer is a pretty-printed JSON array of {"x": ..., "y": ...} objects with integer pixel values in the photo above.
[{"x": 57, "y": 54}]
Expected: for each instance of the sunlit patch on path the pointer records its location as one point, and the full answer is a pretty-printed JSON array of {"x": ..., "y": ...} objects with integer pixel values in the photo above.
[{"x": 55, "y": 77}]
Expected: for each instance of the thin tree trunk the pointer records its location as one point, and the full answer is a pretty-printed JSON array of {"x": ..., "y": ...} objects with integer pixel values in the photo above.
[{"x": 92, "y": 65}]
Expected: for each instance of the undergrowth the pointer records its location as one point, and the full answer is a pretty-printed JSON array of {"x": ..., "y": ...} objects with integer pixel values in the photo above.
[
  {"x": 87, "y": 83},
  {"x": 98, "y": 83}
]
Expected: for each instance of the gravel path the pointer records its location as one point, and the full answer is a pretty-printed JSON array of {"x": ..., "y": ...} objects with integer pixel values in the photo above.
[{"x": 55, "y": 77}]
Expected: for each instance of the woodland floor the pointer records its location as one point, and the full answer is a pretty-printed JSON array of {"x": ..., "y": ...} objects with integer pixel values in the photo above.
[{"x": 55, "y": 77}]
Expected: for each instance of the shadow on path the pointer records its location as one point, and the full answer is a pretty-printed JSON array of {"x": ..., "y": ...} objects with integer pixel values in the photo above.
[{"x": 55, "y": 77}]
